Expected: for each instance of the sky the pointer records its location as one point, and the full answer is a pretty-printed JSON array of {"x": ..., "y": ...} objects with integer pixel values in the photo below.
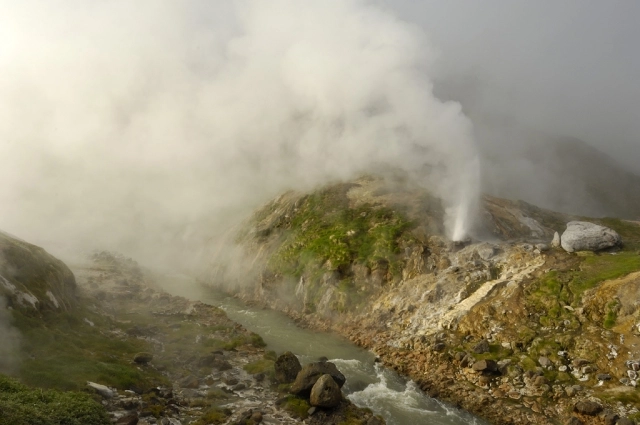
[{"x": 567, "y": 67}]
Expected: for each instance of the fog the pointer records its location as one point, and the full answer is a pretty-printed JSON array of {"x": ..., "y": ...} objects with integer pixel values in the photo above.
[
  {"x": 150, "y": 127},
  {"x": 134, "y": 125},
  {"x": 529, "y": 74}
]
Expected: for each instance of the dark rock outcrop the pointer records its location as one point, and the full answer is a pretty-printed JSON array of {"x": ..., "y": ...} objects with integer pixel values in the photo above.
[
  {"x": 287, "y": 367},
  {"x": 325, "y": 392},
  {"x": 309, "y": 374},
  {"x": 589, "y": 408}
]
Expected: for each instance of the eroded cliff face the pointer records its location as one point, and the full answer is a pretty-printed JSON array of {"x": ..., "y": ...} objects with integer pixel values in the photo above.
[
  {"x": 32, "y": 280},
  {"x": 502, "y": 325}
]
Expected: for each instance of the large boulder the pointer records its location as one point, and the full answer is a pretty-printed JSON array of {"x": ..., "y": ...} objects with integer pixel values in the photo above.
[
  {"x": 287, "y": 367},
  {"x": 325, "y": 392},
  {"x": 585, "y": 236},
  {"x": 309, "y": 374}
]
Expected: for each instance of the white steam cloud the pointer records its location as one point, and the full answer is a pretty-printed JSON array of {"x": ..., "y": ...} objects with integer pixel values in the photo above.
[{"x": 121, "y": 122}]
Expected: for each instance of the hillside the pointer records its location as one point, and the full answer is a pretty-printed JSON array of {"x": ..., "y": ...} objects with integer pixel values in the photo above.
[{"x": 503, "y": 320}]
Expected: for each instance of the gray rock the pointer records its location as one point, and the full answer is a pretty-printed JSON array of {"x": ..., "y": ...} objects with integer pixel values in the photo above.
[
  {"x": 610, "y": 419},
  {"x": 555, "y": 243},
  {"x": 603, "y": 377},
  {"x": 481, "y": 347},
  {"x": 325, "y": 392},
  {"x": 309, "y": 374},
  {"x": 143, "y": 358},
  {"x": 128, "y": 419},
  {"x": 545, "y": 362},
  {"x": 440, "y": 346},
  {"x": 287, "y": 367},
  {"x": 585, "y": 236},
  {"x": 99, "y": 389},
  {"x": 487, "y": 366},
  {"x": 542, "y": 247},
  {"x": 589, "y": 408},
  {"x": 486, "y": 251},
  {"x": 625, "y": 421}
]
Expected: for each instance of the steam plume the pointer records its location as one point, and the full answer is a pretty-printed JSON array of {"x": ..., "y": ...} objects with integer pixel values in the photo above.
[{"x": 121, "y": 121}]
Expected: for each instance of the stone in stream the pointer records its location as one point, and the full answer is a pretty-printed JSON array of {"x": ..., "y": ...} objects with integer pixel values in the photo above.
[
  {"x": 287, "y": 367},
  {"x": 309, "y": 374},
  {"x": 325, "y": 392}
]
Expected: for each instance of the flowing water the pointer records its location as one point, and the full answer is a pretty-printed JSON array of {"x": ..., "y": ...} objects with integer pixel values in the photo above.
[{"x": 368, "y": 384}]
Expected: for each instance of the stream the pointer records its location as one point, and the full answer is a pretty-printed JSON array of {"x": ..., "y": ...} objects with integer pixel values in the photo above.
[{"x": 386, "y": 393}]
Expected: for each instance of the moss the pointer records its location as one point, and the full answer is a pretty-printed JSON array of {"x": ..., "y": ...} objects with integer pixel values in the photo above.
[
  {"x": 21, "y": 405},
  {"x": 612, "y": 314},
  {"x": 212, "y": 416},
  {"x": 298, "y": 407},
  {"x": 259, "y": 366},
  {"x": 528, "y": 364},
  {"x": 63, "y": 351},
  {"x": 326, "y": 229}
]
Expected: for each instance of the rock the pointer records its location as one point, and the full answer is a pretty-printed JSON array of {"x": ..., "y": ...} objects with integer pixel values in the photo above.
[
  {"x": 545, "y": 362},
  {"x": 221, "y": 364},
  {"x": 589, "y": 408},
  {"x": 143, "y": 358},
  {"x": 603, "y": 377},
  {"x": 585, "y": 236},
  {"x": 555, "y": 243},
  {"x": 287, "y": 367},
  {"x": 239, "y": 387},
  {"x": 542, "y": 247},
  {"x": 610, "y": 419},
  {"x": 256, "y": 417},
  {"x": 481, "y": 347},
  {"x": 625, "y": 421},
  {"x": 577, "y": 363},
  {"x": 325, "y": 392},
  {"x": 440, "y": 346},
  {"x": 486, "y": 251},
  {"x": 312, "y": 410},
  {"x": 130, "y": 419},
  {"x": 574, "y": 421},
  {"x": 309, "y": 374},
  {"x": 540, "y": 381},
  {"x": 101, "y": 390},
  {"x": 189, "y": 382},
  {"x": 230, "y": 381},
  {"x": 486, "y": 366},
  {"x": 375, "y": 420}
]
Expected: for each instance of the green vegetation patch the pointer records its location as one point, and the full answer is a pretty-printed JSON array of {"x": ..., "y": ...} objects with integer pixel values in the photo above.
[
  {"x": 559, "y": 288},
  {"x": 64, "y": 351},
  {"x": 297, "y": 406},
  {"x": 21, "y": 405},
  {"x": 213, "y": 416},
  {"x": 325, "y": 228}
]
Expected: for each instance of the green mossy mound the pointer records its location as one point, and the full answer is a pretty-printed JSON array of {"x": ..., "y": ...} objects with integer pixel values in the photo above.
[{"x": 22, "y": 405}]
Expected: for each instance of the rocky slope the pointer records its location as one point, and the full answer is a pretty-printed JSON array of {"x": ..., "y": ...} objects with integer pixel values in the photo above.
[
  {"x": 508, "y": 327},
  {"x": 32, "y": 280},
  {"x": 110, "y": 347}
]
